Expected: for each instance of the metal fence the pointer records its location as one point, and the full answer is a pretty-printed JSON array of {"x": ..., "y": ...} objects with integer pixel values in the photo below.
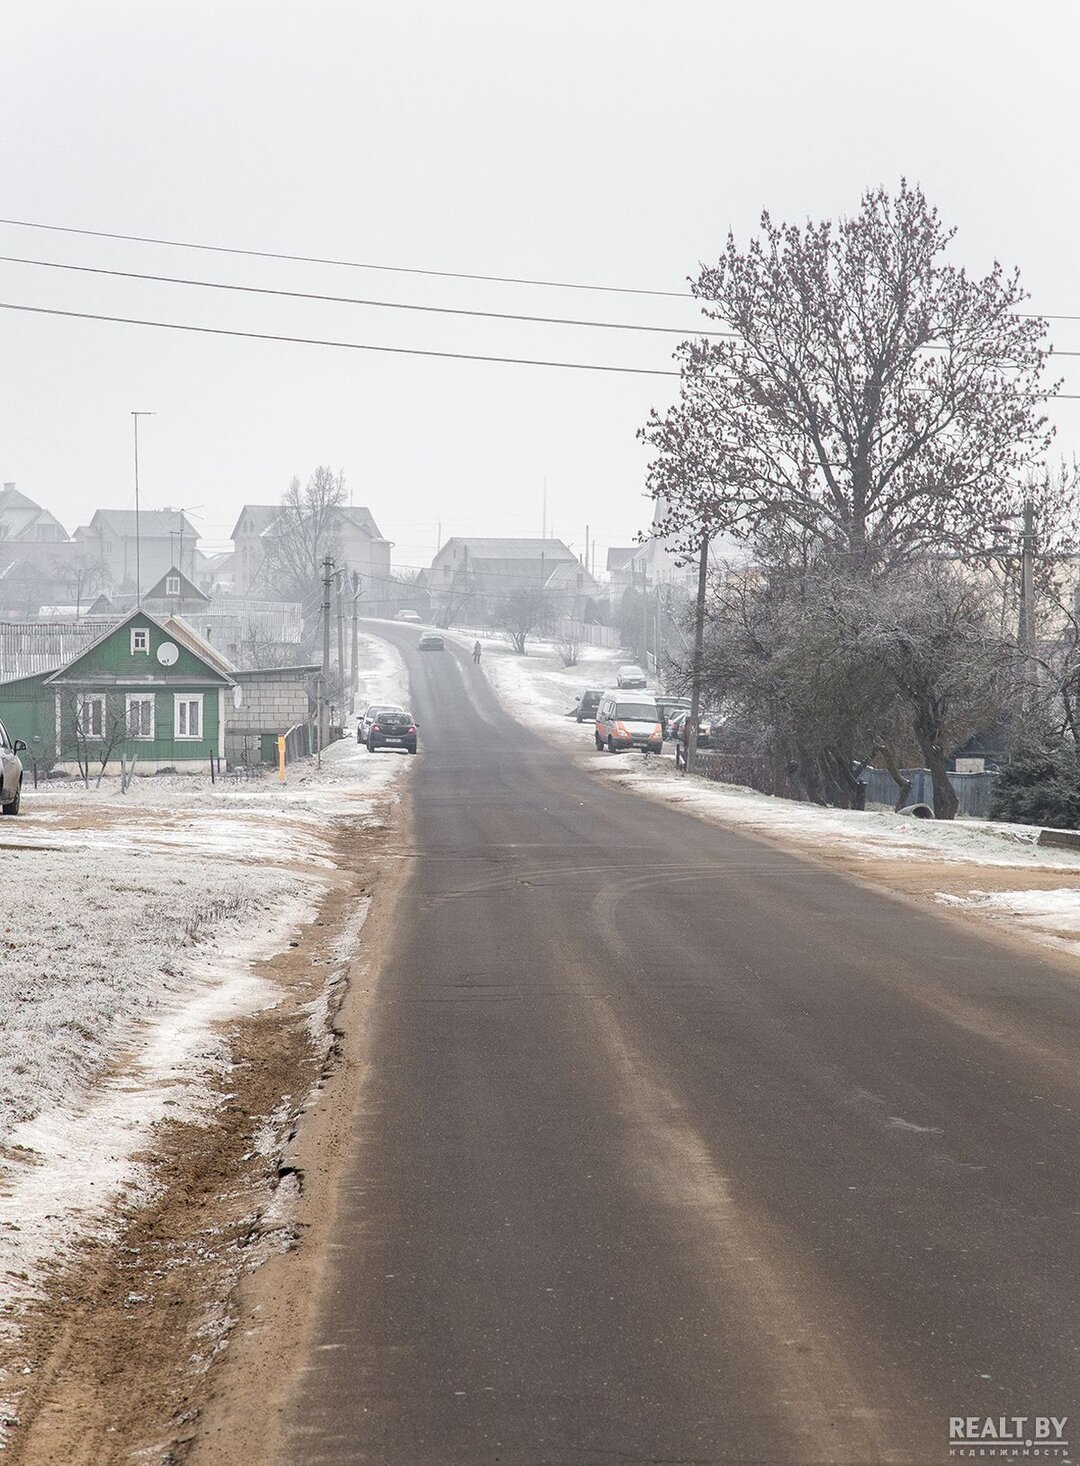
[
  {"x": 586, "y": 632},
  {"x": 974, "y": 791},
  {"x": 298, "y": 742}
]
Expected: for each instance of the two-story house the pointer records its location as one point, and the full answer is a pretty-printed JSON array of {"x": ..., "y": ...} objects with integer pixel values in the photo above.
[{"x": 147, "y": 545}]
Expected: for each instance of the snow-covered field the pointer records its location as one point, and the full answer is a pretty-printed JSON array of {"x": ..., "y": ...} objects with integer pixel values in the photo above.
[
  {"x": 540, "y": 683},
  {"x": 133, "y": 923}
]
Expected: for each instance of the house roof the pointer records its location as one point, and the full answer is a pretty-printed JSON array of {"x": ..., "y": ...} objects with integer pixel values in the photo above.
[
  {"x": 510, "y": 549},
  {"x": 564, "y": 575},
  {"x": 361, "y": 517},
  {"x": 189, "y": 591},
  {"x": 261, "y": 515},
  {"x": 618, "y": 558},
  {"x": 177, "y": 627},
  {"x": 19, "y": 513},
  {"x": 13, "y": 498},
  {"x": 154, "y": 524},
  {"x": 172, "y": 626}
]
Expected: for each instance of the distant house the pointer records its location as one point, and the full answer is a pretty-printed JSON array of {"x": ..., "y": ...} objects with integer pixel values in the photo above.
[
  {"x": 172, "y": 595},
  {"x": 620, "y": 569},
  {"x": 469, "y": 573},
  {"x": 21, "y": 519},
  {"x": 166, "y": 538},
  {"x": 214, "y": 573},
  {"x": 353, "y": 540},
  {"x": 155, "y": 690}
]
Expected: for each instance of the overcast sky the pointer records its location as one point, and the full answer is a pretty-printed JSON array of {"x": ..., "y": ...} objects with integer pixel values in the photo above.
[{"x": 606, "y": 143}]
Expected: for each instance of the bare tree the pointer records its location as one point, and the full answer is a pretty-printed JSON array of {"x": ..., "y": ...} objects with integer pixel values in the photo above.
[
  {"x": 933, "y": 635},
  {"x": 99, "y": 723},
  {"x": 523, "y": 612},
  {"x": 865, "y": 398},
  {"x": 569, "y": 646},
  {"x": 83, "y": 575},
  {"x": 300, "y": 538}
]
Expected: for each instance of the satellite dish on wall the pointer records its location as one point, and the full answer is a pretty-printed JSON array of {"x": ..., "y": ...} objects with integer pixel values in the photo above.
[
  {"x": 168, "y": 654},
  {"x": 237, "y": 695}
]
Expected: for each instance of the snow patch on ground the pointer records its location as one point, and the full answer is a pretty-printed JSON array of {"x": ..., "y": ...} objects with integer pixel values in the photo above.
[
  {"x": 878, "y": 834},
  {"x": 1049, "y": 916},
  {"x": 69, "y": 1164},
  {"x": 133, "y": 923}
]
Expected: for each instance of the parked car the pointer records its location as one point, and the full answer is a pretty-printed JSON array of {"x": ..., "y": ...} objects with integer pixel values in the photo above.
[
  {"x": 670, "y": 708},
  {"x": 363, "y": 727},
  {"x": 410, "y": 616},
  {"x": 11, "y": 772},
  {"x": 630, "y": 675},
  {"x": 705, "y": 729},
  {"x": 624, "y": 721},
  {"x": 587, "y": 704},
  {"x": 429, "y": 642},
  {"x": 392, "y": 729}
]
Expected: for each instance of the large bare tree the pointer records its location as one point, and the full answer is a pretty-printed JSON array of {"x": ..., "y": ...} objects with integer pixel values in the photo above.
[
  {"x": 863, "y": 395},
  {"x": 300, "y": 538}
]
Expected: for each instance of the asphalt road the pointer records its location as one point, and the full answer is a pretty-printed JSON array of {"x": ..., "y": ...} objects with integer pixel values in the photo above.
[{"x": 679, "y": 1148}]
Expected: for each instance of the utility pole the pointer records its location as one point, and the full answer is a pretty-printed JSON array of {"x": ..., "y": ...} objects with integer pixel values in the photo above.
[
  {"x": 340, "y": 577},
  {"x": 328, "y": 573},
  {"x": 699, "y": 653},
  {"x": 138, "y": 565},
  {"x": 354, "y": 681}
]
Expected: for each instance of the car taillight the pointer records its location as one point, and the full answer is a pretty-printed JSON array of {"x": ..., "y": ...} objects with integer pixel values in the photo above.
[
  {"x": 375, "y": 728},
  {"x": 657, "y": 731},
  {"x": 410, "y": 730}
]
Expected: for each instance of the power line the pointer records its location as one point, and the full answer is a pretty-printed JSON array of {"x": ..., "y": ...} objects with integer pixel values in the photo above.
[
  {"x": 441, "y": 310},
  {"x": 580, "y": 366},
  {"x": 266, "y": 254}
]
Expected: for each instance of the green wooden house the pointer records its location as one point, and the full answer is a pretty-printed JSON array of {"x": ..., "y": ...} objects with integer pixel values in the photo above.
[{"x": 147, "y": 689}]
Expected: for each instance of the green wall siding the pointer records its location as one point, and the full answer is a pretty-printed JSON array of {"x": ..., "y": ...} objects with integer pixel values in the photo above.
[
  {"x": 112, "y": 670},
  {"x": 27, "y": 711}
]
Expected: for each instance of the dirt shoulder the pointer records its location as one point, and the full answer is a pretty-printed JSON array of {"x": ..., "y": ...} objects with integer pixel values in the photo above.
[{"x": 124, "y": 1356}]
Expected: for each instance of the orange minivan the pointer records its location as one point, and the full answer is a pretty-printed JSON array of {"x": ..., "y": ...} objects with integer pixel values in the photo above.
[{"x": 627, "y": 719}]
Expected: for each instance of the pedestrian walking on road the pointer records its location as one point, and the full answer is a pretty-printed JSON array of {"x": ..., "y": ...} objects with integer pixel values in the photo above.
[{"x": 476, "y": 651}]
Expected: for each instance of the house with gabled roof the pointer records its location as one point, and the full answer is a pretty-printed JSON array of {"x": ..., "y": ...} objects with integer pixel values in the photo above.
[
  {"x": 23, "y": 519},
  {"x": 142, "y": 689},
  {"x": 152, "y": 689},
  {"x": 469, "y": 572},
  {"x": 148, "y": 544},
  {"x": 353, "y": 539},
  {"x": 173, "y": 594}
]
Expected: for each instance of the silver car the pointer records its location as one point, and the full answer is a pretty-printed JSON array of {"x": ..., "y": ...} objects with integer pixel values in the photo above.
[
  {"x": 371, "y": 715},
  {"x": 12, "y": 770}
]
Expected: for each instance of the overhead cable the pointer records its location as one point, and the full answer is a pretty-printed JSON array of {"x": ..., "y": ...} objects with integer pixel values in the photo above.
[{"x": 441, "y": 310}]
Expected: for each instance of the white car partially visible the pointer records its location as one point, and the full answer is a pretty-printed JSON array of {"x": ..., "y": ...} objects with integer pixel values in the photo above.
[{"x": 12, "y": 772}]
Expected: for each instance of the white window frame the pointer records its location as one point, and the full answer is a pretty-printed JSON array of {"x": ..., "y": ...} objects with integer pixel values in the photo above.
[
  {"x": 130, "y": 700},
  {"x": 172, "y": 585},
  {"x": 90, "y": 700},
  {"x": 185, "y": 700},
  {"x": 144, "y": 633}
]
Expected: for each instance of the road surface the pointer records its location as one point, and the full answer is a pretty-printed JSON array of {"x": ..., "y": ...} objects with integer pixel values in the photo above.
[{"x": 679, "y": 1148}]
